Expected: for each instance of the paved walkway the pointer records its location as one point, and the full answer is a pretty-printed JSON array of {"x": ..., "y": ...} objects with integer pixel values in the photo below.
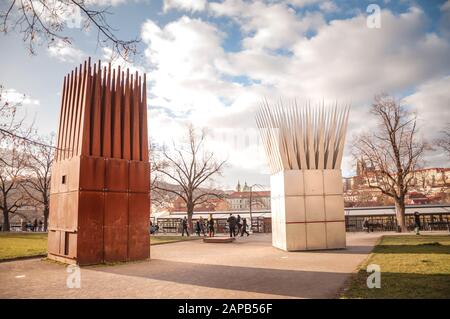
[{"x": 247, "y": 268}]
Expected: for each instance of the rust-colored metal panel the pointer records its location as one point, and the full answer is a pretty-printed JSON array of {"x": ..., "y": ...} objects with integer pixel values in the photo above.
[
  {"x": 143, "y": 123},
  {"x": 86, "y": 114},
  {"x": 138, "y": 242},
  {"x": 72, "y": 174},
  {"x": 55, "y": 180},
  {"x": 92, "y": 173},
  {"x": 139, "y": 209},
  {"x": 68, "y": 206},
  {"x": 126, "y": 129},
  {"x": 115, "y": 226},
  {"x": 117, "y": 118},
  {"x": 116, "y": 243},
  {"x": 137, "y": 171},
  {"x": 56, "y": 211},
  {"x": 135, "y": 142},
  {"x": 53, "y": 241},
  {"x": 62, "y": 242},
  {"x": 99, "y": 207},
  {"x": 78, "y": 111},
  {"x": 116, "y": 175},
  {"x": 65, "y": 134},
  {"x": 106, "y": 137},
  {"x": 61, "y": 116},
  {"x": 139, "y": 238},
  {"x": 90, "y": 227},
  {"x": 116, "y": 209},
  {"x": 73, "y": 237},
  {"x": 73, "y": 107}
]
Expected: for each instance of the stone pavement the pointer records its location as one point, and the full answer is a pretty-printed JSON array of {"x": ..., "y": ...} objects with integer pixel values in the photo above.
[{"x": 247, "y": 268}]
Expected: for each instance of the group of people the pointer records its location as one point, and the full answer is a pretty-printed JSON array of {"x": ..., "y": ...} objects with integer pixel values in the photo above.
[
  {"x": 34, "y": 227},
  {"x": 201, "y": 227},
  {"x": 237, "y": 225},
  {"x": 417, "y": 224}
]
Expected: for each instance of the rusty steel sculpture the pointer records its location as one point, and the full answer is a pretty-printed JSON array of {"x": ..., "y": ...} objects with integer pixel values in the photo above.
[
  {"x": 100, "y": 200},
  {"x": 304, "y": 147}
]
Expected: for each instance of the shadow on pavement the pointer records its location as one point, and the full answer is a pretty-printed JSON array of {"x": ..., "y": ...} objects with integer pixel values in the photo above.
[{"x": 289, "y": 283}]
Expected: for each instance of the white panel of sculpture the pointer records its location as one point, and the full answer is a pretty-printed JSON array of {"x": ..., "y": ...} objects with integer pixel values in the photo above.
[{"x": 304, "y": 147}]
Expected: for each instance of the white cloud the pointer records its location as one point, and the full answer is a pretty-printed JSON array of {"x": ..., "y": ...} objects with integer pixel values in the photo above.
[
  {"x": 268, "y": 25},
  {"x": 186, "y": 5},
  {"x": 302, "y": 3},
  {"x": 196, "y": 79},
  {"x": 431, "y": 101},
  {"x": 348, "y": 61},
  {"x": 183, "y": 57},
  {"x": 116, "y": 60},
  {"x": 12, "y": 96},
  {"x": 65, "y": 52},
  {"x": 328, "y": 6}
]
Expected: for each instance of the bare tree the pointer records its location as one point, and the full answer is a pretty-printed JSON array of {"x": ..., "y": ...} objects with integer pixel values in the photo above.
[
  {"x": 189, "y": 168},
  {"x": 444, "y": 140},
  {"x": 46, "y": 21},
  {"x": 393, "y": 149},
  {"x": 37, "y": 183},
  {"x": 12, "y": 166},
  {"x": 11, "y": 125},
  {"x": 160, "y": 198}
]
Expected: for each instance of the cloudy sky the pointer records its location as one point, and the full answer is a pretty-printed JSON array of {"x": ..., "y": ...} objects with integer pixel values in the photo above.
[{"x": 211, "y": 63}]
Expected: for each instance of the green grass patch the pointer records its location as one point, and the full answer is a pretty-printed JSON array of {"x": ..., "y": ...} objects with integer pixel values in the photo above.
[
  {"x": 14, "y": 245},
  {"x": 411, "y": 267}
]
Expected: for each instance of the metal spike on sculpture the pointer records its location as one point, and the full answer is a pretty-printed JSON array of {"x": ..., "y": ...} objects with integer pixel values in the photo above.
[
  {"x": 100, "y": 202},
  {"x": 304, "y": 148}
]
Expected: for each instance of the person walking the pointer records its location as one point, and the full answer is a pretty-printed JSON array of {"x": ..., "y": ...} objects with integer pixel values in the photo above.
[
  {"x": 244, "y": 228},
  {"x": 238, "y": 224},
  {"x": 366, "y": 224},
  {"x": 202, "y": 226},
  {"x": 211, "y": 226},
  {"x": 197, "y": 228},
  {"x": 184, "y": 227},
  {"x": 232, "y": 225},
  {"x": 417, "y": 223},
  {"x": 35, "y": 225}
]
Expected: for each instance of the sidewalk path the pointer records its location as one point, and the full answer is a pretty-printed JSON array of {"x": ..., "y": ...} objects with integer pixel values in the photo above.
[{"x": 248, "y": 268}]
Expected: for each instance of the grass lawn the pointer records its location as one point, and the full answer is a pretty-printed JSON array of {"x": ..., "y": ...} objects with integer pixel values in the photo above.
[
  {"x": 13, "y": 245},
  {"x": 411, "y": 267}
]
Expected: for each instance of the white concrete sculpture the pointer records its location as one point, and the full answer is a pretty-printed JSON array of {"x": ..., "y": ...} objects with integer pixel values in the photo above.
[{"x": 304, "y": 148}]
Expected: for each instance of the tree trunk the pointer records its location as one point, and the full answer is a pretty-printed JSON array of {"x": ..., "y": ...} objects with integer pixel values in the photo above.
[
  {"x": 46, "y": 213},
  {"x": 5, "y": 226},
  {"x": 190, "y": 212},
  {"x": 400, "y": 214}
]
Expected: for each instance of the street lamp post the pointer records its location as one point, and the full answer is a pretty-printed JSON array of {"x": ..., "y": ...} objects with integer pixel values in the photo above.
[
  {"x": 250, "y": 209},
  {"x": 250, "y": 204}
]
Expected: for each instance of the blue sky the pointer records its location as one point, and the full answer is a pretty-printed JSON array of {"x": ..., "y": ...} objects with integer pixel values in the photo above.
[{"x": 210, "y": 63}]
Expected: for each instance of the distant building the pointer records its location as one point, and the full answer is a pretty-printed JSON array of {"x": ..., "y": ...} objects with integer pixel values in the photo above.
[
  {"x": 241, "y": 200},
  {"x": 235, "y": 200},
  {"x": 428, "y": 185},
  {"x": 213, "y": 204}
]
